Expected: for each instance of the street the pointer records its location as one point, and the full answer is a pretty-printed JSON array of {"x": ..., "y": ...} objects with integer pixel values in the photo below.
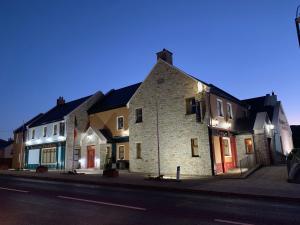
[{"x": 33, "y": 202}]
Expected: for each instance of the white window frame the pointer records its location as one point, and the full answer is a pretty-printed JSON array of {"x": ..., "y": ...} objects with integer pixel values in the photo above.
[
  {"x": 230, "y": 111},
  {"x": 229, "y": 145},
  {"x": 220, "y": 113},
  {"x": 55, "y": 125},
  {"x": 118, "y": 123},
  {"x": 119, "y": 152}
]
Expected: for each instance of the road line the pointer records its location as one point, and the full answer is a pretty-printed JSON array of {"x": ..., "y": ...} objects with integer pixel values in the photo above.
[
  {"x": 232, "y": 222},
  {"x": 11, "y": 189},
  {"x": 102, "y": 203}
]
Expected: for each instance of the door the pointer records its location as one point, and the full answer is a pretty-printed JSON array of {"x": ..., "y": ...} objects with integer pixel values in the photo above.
[{"x": 90, "y": 156}]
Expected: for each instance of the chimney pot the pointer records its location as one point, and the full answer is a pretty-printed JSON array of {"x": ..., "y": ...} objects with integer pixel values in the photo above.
[
  {"x": 165, "y": 55},
  {"x": 60, "y": 101}
]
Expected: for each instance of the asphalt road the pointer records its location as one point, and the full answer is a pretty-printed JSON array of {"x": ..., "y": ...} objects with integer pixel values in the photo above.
[{"x": 35, "y": 202}]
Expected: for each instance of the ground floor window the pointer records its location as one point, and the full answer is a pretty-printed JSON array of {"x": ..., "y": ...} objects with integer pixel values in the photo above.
[
  {"x": 121, "y": 152},
  {"x": 226, "y": 147},
  {"x": 194, "y": 147},
  {"x": 249, "y": 145},
  {"x": 49, "y": 155}
]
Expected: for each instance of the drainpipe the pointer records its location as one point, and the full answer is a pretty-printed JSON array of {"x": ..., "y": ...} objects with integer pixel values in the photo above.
[{"x": 210, "y": 137}]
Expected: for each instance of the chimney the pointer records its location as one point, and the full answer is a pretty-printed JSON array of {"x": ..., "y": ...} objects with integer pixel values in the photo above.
[
  {"x": 165, "y": 55},
  {"x": 60, "y": 101},
  {"x": 271, "y": 100}
]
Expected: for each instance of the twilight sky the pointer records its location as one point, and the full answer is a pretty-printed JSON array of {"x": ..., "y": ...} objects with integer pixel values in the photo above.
[{"x": 74, "y": 48}]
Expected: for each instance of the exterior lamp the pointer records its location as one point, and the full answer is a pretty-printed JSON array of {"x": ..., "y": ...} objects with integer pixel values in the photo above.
[{"x": 297, "y": 22}]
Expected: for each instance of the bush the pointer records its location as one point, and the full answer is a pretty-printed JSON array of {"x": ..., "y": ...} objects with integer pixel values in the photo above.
[{"x": 41, "y": 169}]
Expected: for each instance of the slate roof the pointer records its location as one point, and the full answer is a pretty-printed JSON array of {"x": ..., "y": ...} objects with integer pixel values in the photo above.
[
  {"x": 23, "y": 127},
  {"x": 218, "y": 91},
  {"x": 114, "y": 99},
  {"x": 58, "y": 112},
  {"x": 4, "y": 143}
]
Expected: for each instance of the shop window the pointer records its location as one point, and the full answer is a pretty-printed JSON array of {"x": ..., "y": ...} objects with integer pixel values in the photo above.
[
  {"x": 194, "y": 147},
  {"x": 121, "y": 152},
  {"x": 138, "y": 150},
  {"x": 190, "y": 106},
  {"x": 48, "y": 155},
  {"x": 249, "y": 145}
]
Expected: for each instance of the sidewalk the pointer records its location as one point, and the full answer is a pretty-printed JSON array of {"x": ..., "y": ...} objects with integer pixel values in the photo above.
[{"x": 266, "y": 183}]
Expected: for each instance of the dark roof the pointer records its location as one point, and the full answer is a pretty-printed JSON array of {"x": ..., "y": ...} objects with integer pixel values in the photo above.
[
  {"x": 114, "y": 99},
  {"x": 296, "y": 135},
  {"x": 218, "y": 91},
  {"x": 4, "y": 143},
  {"x": 58, "y": 112},
  {"x": 23, "y": 127}
]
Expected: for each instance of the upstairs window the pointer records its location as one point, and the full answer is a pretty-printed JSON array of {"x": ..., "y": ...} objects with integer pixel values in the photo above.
[
  {"x": 44, "y": 131},
  {"x": 120, "y": 122},
  {"x": 139, "y": 115},
  {"x": 33, "y": 134},
  {"x": 249, "y": 146},
  {"x": 138, "y": 150},
  {"x": 229, "y": 111},
  {"x": 62, "y": 129},
  {"x": 220, "y": 107},
  {"x": 194, "y": 147},
  {"x": 190, "y": 106},
  {"x": 55, "y": 129}
]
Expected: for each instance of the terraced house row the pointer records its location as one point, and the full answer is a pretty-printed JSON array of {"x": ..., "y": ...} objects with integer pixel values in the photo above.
[{"x": 171, "y": 119}]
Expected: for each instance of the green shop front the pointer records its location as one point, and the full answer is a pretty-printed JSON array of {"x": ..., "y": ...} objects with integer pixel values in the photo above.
[{"x": 51, "y": 155}]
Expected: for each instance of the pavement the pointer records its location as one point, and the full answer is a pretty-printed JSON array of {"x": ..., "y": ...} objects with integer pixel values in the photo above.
[
  {"x": 26, "y": 201},
  {"x": 265, "y": 183}
]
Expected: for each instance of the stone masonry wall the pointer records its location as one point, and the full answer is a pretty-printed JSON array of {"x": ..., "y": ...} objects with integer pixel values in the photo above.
[{"x": 166, "y": 90}]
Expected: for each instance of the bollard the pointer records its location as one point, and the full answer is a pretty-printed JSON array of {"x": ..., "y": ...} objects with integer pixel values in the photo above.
[{"x": 178, "y": 173}]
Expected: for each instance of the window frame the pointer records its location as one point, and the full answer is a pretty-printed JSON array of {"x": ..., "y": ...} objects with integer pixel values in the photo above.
[
  {"x": 45, "y": 131},
  {"x": 190, "y": 108},
  {"x": 53, "y": 155},
  {"x": 118, "y": 128},
  {"x": 54, "y": 130},
  {"x": 193, "y": 142},
  {"x": 252, "y": 149},
  {"x": 33, "y": 134},
  {"x": 64, "y": 128},
  {"x": 229, "y": 147},
  {"x": 220, "y": 113},
  {"x": 137, "y": 115},
  {"x": 230, "y": 111},
  {"x": 119, "y": 152}
]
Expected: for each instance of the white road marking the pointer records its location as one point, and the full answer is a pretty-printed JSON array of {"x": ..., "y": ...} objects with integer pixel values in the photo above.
[
  {"x": 232, "y": 222},
  {"x": 102, "y": 203},
  {"x": 12, "y": 189}
]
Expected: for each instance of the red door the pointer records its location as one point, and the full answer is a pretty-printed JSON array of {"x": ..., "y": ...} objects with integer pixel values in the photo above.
[{"x": 90, "y": 156}]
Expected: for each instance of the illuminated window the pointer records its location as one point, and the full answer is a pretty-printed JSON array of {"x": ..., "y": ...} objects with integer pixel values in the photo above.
[
  {"x": 55, "y": 129},
  {"x": 33, "y": 134},
  {"x": 139, "y": 115},
  {"x": 49, "y": 155},
  {"x": 121, "y": 152},
  {"x": 226, "y": 147},
  {"x": 45, "y": 132},
  {"x": 138, "y": 150},
  {"x": 229, "y": 111},
  {"x": 194, "y": 147},
  {"x": 190, "y": 104},
  {"x": 62, "y": 129},
  {"x": 220, "y": 107},
  {"x": 249, "y": 146},
  {"x": 120, "y": 122}
]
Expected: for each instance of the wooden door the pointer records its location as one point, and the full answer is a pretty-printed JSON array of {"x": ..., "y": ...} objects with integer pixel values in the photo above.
[{"x": 90, "y": 156}]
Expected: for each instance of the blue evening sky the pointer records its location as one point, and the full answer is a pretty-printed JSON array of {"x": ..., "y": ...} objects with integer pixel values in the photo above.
[{"x": 74, "y": 48}]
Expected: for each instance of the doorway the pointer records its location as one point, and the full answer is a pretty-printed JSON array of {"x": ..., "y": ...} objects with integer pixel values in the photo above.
[{"x": 90, "y": 156}]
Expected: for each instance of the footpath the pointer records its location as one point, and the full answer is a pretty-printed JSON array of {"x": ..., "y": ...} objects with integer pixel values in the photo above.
[{"x": 269, "y": 183}]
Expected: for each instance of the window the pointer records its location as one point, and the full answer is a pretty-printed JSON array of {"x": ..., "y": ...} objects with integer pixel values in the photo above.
[
  {"x": 120, "y": 122},
  {"x": 194, "y": 147},
  {"x": 33, "y": 134},
  {"x": 62, "y": 129},
  {"x": 190, "y": 106},
  {"x": 138, "y": 150},
  {"x": 55, "y": 129},
  {"x": 249, "y": 146},
  {"x": 45, "y": 132},
  {"x": 226, "y": 147},
  {"x": 121, "y": 152},
  {"x": 229, "y": 111},
  {"x": 48, "y": 155},
  {"x": 220, "y": 107},
  {"x": 139, "y": 115}
]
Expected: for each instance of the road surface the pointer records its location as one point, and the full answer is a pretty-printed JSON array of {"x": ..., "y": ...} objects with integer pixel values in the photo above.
[{"x": 36, "y": 202}]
